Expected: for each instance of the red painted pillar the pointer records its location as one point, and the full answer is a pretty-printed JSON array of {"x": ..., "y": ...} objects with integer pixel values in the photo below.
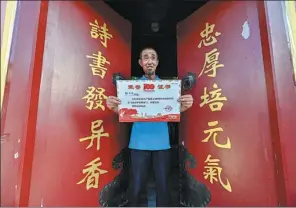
[
  {"x": 283, "y": 98},
  {"x": 20, "y": 103}
]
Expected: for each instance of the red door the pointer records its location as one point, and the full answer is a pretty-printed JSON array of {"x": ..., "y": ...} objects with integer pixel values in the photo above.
[
  {"x": 227, "y": 130},
  {"x": 72, "y": 139}
]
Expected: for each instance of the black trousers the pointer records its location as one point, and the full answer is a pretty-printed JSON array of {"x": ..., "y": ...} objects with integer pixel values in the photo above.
[{"x": 140, "y": 167}]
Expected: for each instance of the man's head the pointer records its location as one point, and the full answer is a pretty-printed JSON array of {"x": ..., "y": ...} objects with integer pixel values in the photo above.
[{"x": 148, "y": 61}]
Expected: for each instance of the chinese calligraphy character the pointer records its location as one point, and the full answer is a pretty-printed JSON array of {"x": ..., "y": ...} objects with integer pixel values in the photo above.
[
  {"x": 213, "y": 135},
  {"x": 207, "y": 37},
  {"x": 211, "y": 63},
  {"x": 93, "y": 173},
  {"x": 94, "y": 98},
  {"x": 213, "y": 98},
  {"x": 98, "y": 64},
  {"x": 213, "y": 172},
  {"x": 97, "y": 131},
  {"x": 100, "y": 31},
  {"x": 167, "y": 86},
  {"x": 160, "y": 86}
]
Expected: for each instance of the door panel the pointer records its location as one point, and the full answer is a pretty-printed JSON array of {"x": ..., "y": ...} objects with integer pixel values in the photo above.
[
  {"x": 77, "y": 137},
  {"x": 285, "y": 96},
  {"x": 227, "y": 130}
]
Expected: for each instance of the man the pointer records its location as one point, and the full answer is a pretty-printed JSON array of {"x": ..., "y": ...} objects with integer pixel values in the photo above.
[{"x": 150, "y": 141}]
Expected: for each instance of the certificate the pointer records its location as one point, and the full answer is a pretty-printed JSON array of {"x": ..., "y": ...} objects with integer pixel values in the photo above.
[{"x": 149, "y": 100}]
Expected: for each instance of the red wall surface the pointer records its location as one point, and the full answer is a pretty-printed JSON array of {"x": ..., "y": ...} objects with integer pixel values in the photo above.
[
  {"x": 285, "y": 94},
  {"x": 15, "y": 112}
]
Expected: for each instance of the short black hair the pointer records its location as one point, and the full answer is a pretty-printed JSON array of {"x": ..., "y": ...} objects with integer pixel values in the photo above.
[{"x": 147, "y": 47}]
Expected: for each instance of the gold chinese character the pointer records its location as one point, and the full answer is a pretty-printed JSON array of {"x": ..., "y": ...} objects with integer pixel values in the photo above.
[
  {"x": 98, "y": 64},
  {"x": 100, "y": 31},
  {"x": 207, "y": 36},
  {"x": 97, "y": 130},
  {"x": 94, "y": 98},
  {"x": 211, "y": 63},
  {"x": 213, "y": 98},
  {"x": 213, "y": 134},
  {"x": 213, "y": 172},
  {"x": 93, "y": 173}
]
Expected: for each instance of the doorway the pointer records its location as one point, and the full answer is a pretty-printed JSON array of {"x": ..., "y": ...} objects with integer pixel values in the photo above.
[{"x": 154, "y": 24}]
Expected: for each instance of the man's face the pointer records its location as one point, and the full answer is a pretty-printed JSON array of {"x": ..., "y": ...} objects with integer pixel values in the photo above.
[{"x": 149, "y": 61}]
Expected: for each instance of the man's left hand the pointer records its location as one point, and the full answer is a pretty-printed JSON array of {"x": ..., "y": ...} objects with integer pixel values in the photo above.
[{"x": 186, "y": 102}]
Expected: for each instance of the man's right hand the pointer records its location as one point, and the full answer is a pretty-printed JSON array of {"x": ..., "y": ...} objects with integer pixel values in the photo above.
[{"x": 112, "y": 103}]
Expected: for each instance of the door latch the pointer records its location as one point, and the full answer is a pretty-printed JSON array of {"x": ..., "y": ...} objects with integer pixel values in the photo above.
[{"x": 188, "y": 81}]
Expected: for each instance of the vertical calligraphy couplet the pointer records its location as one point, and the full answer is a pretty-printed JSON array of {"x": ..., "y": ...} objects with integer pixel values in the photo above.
[
  {"x": 215, "y": 99},
  {"x": 94, "y": 98}
]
